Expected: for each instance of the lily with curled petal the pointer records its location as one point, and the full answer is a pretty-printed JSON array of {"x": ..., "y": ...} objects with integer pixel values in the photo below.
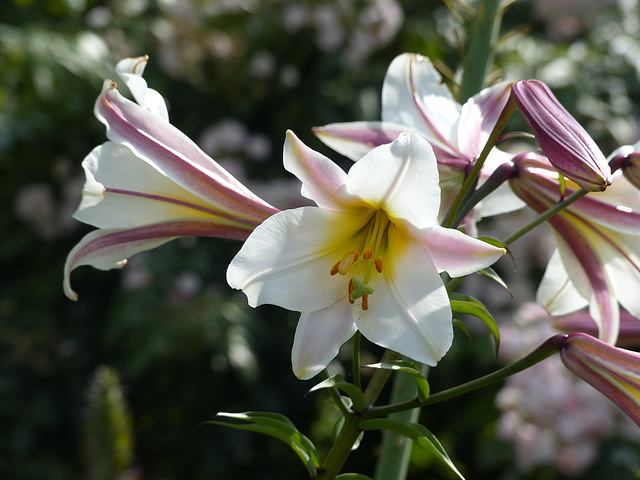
[
  {"x": 367, "y": 257},
  {"x": 414, "y": 99},
  {"x": 597, "y": 260},
  {"x": 613, "y": 371},
  {"x": 151, "y": 184}
]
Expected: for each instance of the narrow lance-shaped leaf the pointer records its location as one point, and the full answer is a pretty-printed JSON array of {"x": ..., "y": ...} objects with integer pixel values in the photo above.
[
  {"x": 469, "y": 305},
  {"x": 354, "y": 393},
  {"x": 277, "y": 426},
  {"x": 416, "y": 432},
  {"x": 410, "y": 368}
]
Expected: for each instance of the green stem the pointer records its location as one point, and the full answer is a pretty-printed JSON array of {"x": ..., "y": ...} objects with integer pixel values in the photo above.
[
  {"x": 479, "y": 51},
  {"x": 393, "y": 463},
  {"x": 558, "y": 207},
  {"x": 336, "y": 397},
  {"x": 350, "y": 432},
  {"x": 548, "y": 348},
  {"x": 355, "y": 360},
  {"x": 506, "y": 113}
]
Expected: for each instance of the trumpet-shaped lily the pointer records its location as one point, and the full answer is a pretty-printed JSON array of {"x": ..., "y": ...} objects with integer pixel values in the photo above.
[
  {"x": 567, "y": 145},
  {"x": 367, "y": 257},
  {"x": 151, "y": 184},
  {"x": 613, "y": 371},
  {"x": 414, "y": 99},
  {"x": 597, "y": 260}
]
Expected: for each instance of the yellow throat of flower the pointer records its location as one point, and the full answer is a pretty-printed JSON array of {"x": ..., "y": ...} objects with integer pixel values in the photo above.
[{"x": 366, "y": 263}]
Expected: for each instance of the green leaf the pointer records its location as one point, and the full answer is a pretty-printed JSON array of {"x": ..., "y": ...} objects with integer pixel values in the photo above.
[
  {"x": 500, "y": 244},
  {"x": 410, "y": 368},
  {"x": 469, "y": 305},
  {"x": 416, "y": 432},
  {"x": 277, "y": 426},
  {"x": 491, "y": 273},
  {"x": 354, "y": 393}
]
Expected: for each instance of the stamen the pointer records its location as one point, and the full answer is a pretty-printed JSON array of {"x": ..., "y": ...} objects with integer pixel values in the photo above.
[
  {"x": 334, "y": 269},
  {"x": 347, "y": 261},
  {"x": 378, "y": 263},
  {"x": 365, "y": 302},
  {"x": 368, "y": 253},
  {"x": 351, "y": 287}
]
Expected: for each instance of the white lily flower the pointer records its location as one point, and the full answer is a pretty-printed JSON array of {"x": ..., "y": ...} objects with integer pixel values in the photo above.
[
  {"x": 414, "y": 99},
  {"x": 151, "y": 184},
  {"x": 367, "y": 257}
]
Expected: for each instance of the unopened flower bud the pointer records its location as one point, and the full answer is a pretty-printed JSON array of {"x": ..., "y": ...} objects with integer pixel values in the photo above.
[
  {"x": 613, "y": 371},
  {"x": 563, "y": 140}
]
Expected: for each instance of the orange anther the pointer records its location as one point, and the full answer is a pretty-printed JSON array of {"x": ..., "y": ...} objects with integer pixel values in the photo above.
[
  {"x": 335, "y": 268},
  {"x": 347, "y": 261},
  {"x": 378, "y": 263},
  {"x": 365, "y": 302},
  {"x": 368, "y": 253}
]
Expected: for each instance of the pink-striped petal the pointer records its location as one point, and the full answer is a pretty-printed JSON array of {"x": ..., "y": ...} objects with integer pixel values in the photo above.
[
  {"x": 355, "y": 139},
  {"x": 413, "y": 95},
  {"x": 105, "y": 249},
  {"x": 479, "y": 116},
  {"x": 613, "y": 371},
  {"x": 173, "y": 153}
]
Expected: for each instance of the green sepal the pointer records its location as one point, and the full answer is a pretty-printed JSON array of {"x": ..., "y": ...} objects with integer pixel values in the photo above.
[
  {"x": 469, "y": 305},
  {"x": 409, "y": 368},
  {"x": 416, "y": 432},
  {"x": 277, "y": 426},
  {"x": 354, "y": 393}
]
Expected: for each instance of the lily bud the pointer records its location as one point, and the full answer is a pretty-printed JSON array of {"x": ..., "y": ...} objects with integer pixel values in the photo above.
[
  {"x": 627, "y": 159},
  {"x": 612, "y": 371},
  {"x": 563, "y": 140}
]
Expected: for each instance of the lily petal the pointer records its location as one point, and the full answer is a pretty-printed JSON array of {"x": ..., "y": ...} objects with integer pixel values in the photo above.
[
  {"x": 144, "y": 195},
  {"x": 409, "y": 311},
  {"x": 478, "y": 117},
  {"x": 131, "y": 70},
  {"x": 173, "y": 153},
  {"x": 613, "y": 371},
  {"x": 320, "y": 177},
  {"x": 413, "y": 94},
  {"x": 319, "y": 336},
  {"x": 355, "y": 139},
  {"x": 105, "y": 249},
  {"x": 459, "y": 254},
  {"x": 557, "y": 292},
  {"x": 405, "y": 183},
  {"x": 295, "y": 249}
]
